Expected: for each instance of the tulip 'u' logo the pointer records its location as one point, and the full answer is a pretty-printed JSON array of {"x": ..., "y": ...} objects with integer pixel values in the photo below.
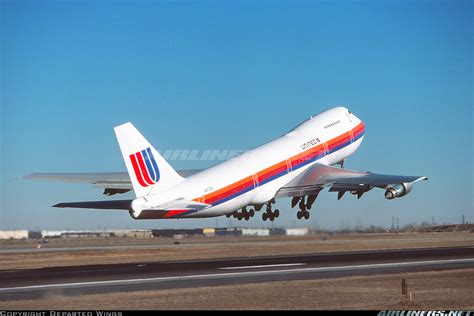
[{"x": 145, "y": 167}]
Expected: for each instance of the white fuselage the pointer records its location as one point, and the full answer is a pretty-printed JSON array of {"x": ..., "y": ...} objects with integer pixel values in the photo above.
[{"x": 255, "y": 176}]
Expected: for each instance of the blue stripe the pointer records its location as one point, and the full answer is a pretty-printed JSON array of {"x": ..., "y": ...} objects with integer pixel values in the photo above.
[
  {"x": 282, "y": 173},
  {"x": 153, "y": 162},
  {"x": 230, "y": 197},
  {"x": 151, "y": 165},
  {"x": 304, "y": 163},
  {"x": 359, "y": 136},
  {"x": 301, "y": 164},
  {"x": 149, "y": 168}
]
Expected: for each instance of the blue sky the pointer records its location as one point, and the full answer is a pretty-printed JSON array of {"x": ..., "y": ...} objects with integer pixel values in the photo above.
[{"x": 232, "y": 75}]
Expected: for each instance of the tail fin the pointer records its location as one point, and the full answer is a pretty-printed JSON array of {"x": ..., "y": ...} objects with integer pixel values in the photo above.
[{"x": 148, "y": 170}]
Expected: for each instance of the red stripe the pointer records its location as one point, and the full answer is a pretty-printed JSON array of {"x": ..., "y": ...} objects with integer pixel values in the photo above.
[
  {"x": 334, "y": 145},
  {"x": 359, "y": 128},
  {"x": 144, "y": 169},
  {"x": 133, "y": 159},
  {"x": 229, "y": 192},
  {"x": 271, "y": 173},
  {"x": 295, "y": 160},
  {"x": 174, "y": 213}
]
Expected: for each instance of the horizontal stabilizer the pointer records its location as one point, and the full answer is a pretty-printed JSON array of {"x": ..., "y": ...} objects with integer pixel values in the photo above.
[
  {"x": 101, "y": 205},
  {"x": 111, "y": 182},
  {"x": 173, "y": 209}
]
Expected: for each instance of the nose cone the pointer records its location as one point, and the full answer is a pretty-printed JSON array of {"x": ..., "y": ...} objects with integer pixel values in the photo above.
[{"x": 354, "y": 119}]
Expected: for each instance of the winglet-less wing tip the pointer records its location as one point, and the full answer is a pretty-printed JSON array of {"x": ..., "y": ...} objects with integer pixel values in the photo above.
[{"x": 421, "y": 178}]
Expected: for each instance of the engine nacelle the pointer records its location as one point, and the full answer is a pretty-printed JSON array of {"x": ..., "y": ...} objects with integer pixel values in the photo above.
[{"x": 398, "y": 190}]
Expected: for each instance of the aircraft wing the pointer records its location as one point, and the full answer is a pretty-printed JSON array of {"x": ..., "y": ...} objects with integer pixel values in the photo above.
[
  {"x": 111, "y": 182},
  {"x": 340, "y": 180}
]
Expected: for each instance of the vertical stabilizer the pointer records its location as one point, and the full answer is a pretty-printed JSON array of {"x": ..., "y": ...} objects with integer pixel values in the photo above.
[{"x": 148, "y": 170}]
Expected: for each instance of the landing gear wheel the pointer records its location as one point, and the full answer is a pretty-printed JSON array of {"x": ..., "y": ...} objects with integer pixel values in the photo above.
[
  {"x": 251, "y": 213},
  {"x": 277, "y": 213},
  {"x": 271, "y": 217},
  {"x": 299, "y": 215},
  {"x": 247, "y": 216},
  {"x": 306, "y": 215},
  {"x": 265, "y": 216}
]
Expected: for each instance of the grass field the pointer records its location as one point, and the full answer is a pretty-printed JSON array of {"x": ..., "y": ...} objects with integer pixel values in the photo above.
[
  {"x": 125, "y": 250},
  {"x": 446, "y": 290}
]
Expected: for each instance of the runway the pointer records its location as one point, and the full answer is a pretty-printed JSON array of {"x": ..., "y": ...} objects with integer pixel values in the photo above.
[{"x": 139, "y": 276}]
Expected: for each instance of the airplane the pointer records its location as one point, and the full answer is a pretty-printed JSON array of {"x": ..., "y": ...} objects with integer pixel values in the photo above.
[{"x": 299, "y": 164}]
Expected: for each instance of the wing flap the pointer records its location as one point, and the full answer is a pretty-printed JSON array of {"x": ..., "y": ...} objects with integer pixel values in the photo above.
[{"x": 319, "y": 176}]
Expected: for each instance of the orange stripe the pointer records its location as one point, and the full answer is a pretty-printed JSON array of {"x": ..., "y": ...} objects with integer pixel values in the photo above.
[
  {"x": 270, "y": 169},
  {"x": 228, "y": 188},
  {"x": 295, "y": 160}
]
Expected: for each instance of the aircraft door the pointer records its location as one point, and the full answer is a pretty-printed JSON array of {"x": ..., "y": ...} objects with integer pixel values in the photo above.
[
  {"x": 255, "y": 180},
  {"x": 289, "y": 167}
]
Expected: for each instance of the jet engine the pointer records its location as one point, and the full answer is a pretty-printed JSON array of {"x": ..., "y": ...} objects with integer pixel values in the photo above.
[{"x": 398, "y": 190}]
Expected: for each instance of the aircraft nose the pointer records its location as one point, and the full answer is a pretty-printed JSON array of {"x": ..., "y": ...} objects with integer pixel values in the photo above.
[{"x": 352, "y": 117}]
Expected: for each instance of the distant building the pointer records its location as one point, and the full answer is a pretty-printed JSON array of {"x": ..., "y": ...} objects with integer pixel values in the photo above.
[
  {"x": 173, "y": 232},
  {"x": 297, "y": 231},
  {"x": 209, "y": 232},
  {"x": 14, "y": 234},
  {"x": 143, "y": 233},
  {"x": 261, "y": 232},
  {"x": 34, "y": 234},
  {"x": 277, "y": 231},
  {"x": 52, "y": 233},
  {"x": 230, "y": 232}
]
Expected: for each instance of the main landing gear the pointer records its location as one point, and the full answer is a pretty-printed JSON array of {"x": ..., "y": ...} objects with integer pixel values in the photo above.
[
  {"x": 303, "y": 212},
  {"x": 269, "y": 214},
  {"x": 303, "y": 205},
  {"x": 243, "y": 214}
]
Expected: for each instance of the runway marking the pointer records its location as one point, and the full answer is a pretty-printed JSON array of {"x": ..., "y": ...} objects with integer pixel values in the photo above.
[
  {"x": 264, "y": 266},
  {"x": 236, "y": 274}
]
